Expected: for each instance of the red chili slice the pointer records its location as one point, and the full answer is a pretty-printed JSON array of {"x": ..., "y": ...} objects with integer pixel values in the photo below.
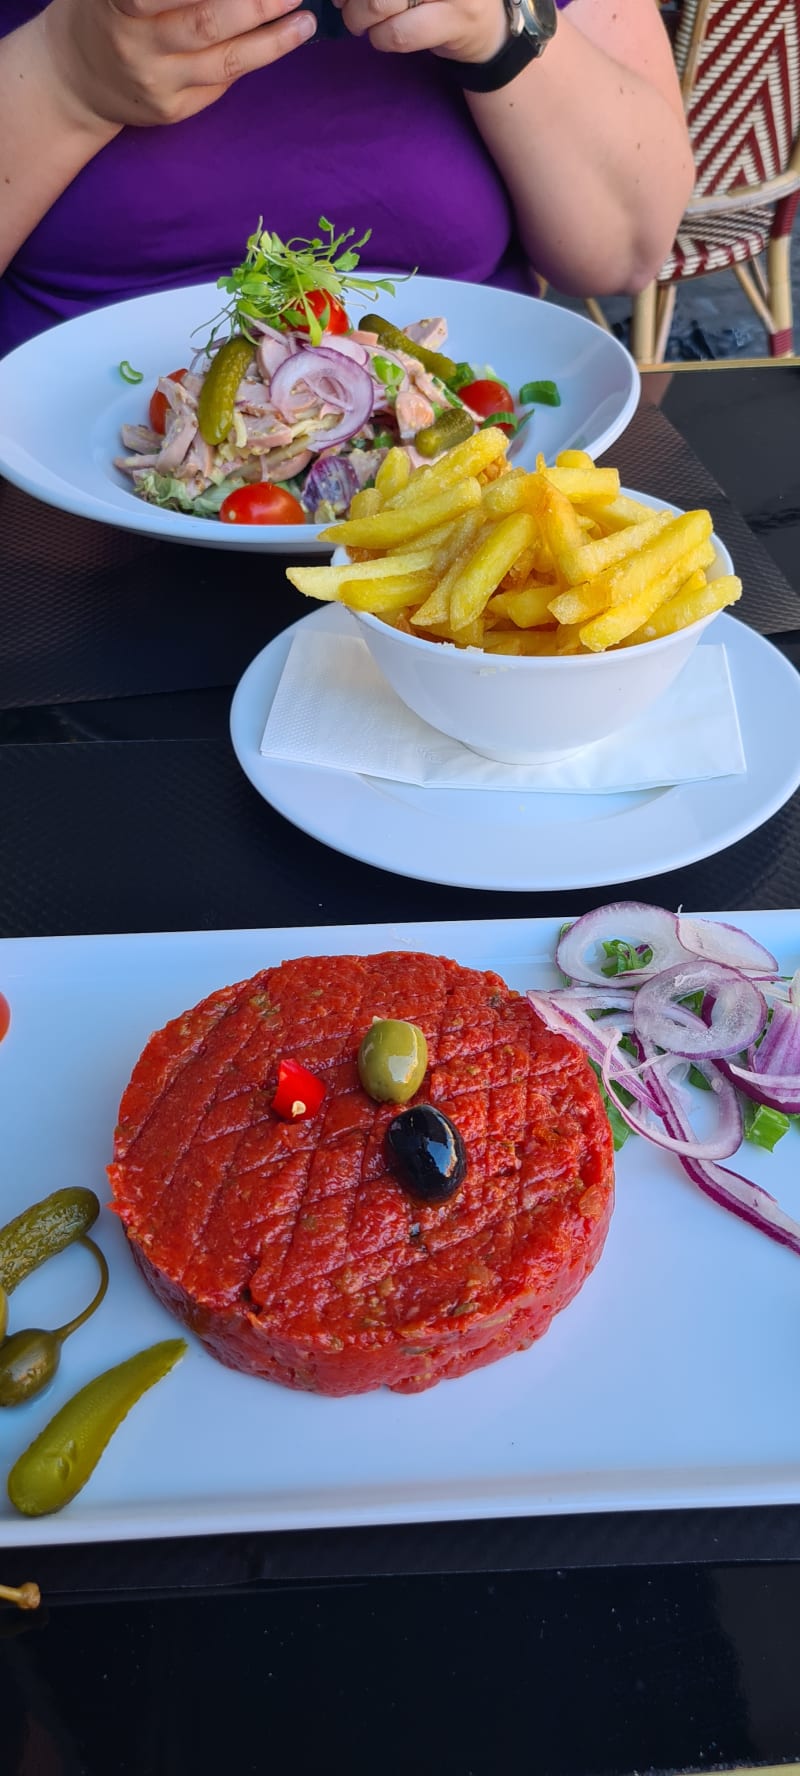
[{"x": 299, "y": 1093}]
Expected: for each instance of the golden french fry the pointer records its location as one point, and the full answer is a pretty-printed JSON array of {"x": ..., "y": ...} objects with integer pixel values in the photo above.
[
  {"x": 364, "y": 503},
  {"x": 574, "y": 459},
  {"x": 508, "y": 494},
  {"x": 462, "y": 534},
  {"x": 688, "y": 606},
  {"x": 593, "y": 558},
  {"x": 327, "y": 582},
  {"x": 679, "y": 537},
  {"x": 436, "y": 608},
  {"x": 578, "y": 605},
  {"x": 391, "y": 525},
  {"x": 526, "y": 641},
  {"x": 528, "y": 608},
  {"x": 620, "y": 513},
  {"x": 393, "y": 473},
  {"x": 463, "y": 461},
  {"x": 591, "y": 486},
  {"x": 489, "y": 562},
  {"x": 620, "y": 619},
  {"x": 379, "y": 596},
  {"x": 432, "y": 539}
]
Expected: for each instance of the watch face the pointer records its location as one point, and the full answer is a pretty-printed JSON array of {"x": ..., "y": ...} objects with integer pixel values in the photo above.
[{"x": 538, "y": 17}]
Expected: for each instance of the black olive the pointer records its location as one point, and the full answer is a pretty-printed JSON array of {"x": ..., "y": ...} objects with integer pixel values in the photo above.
[{"x": 427, "y": 1153}]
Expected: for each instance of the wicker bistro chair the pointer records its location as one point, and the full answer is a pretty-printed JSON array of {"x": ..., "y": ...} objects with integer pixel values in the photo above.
[{"x": 739, "y": 62}]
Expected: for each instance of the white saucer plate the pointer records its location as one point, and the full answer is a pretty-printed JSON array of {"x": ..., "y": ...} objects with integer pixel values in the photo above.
[{"x": 496, "y": 840}]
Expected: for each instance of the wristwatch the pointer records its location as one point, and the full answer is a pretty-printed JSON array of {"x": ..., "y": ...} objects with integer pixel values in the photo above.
[{"x": 531, "y": 24}]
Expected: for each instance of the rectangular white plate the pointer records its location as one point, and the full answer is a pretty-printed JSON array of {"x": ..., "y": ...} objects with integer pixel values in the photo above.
[{"x": 670, "y": 1381}]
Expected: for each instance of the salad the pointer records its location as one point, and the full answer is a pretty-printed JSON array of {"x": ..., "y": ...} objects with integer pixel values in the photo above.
[{"x": 289, "y": 407}]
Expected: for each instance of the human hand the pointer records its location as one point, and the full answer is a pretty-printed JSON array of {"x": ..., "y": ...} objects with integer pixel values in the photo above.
[
  {"x": 459, "y": 30},
  {"x": 148, "y": 62}
]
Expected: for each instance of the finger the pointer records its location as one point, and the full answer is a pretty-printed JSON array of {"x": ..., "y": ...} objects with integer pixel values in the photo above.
[
  {"x": 209, "y": 23},
  {"x": 394, "y": 25},
  {"x": 243, "y": 55}
]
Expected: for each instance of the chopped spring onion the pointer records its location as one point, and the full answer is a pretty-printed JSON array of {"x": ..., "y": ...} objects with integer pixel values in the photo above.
[{"x": 128, "y": 374}]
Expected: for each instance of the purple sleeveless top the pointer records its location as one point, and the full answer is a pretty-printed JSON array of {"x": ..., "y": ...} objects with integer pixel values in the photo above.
[{"x": 334, "y": 129}]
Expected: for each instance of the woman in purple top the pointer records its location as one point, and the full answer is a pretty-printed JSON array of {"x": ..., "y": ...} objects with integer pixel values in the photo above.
[{"x": 140, "y": 140}]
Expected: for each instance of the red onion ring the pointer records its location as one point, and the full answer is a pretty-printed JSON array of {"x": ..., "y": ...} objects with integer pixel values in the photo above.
[
  {"x": 632, "y": 920},
  {"x": 715, "y": 941},
  {"x": 729, "y": 1189},
  {"x": 331, "y": 377},
  {"x": 737, "y": 1014},
  {"x": 720, "y": 1145}
]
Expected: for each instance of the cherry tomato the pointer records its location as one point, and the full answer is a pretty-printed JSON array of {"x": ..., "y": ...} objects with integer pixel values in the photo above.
[
  {"x": 487, "y": 397},
  {"x": 261, "y": 503},
  {"x": 159, "y": 404},
  {"x": 320, "y": 305}
]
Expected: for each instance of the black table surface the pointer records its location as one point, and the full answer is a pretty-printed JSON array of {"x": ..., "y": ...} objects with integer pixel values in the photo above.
[{"x": 645, "y": 1641}]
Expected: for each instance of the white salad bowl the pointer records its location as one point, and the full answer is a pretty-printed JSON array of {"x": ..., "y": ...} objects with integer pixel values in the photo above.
[
  {"x": 525, "y": 710},
  {"x": 63, "y": 400}
]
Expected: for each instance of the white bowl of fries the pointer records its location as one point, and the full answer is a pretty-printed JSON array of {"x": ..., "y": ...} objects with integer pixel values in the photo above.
[{"x": 526, "y": 615}]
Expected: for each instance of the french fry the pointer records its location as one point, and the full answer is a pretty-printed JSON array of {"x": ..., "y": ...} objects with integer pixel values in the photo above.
[
  {"x": 593, "y": 558},
  {"x": 386, "y": 594},
  {"x": 327, "y": 582},
  {"x": 620, "y": 619},
  {"x": 487, "y": 565},
  {"x": 364, "y": 503},
  {"x": 392, "y": 525},
  {"x": 591, "y": 486},
  {"x": 527, "y": 641},
  {"x": 688, "y": 606},
  {"x": 463, "y": 461},
  {"x": 436, "y": 609},
  {"x": 462, "y": 534},
  {"x": 620, "y": 513},
  {"x": 528, "y": 608},
  {"x": 574, "y": 459},
  {"x": 393, "y": 474}
]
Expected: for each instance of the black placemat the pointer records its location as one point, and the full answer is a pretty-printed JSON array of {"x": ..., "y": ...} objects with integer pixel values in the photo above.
[
  {"x": 169, "y": 835},
  {"x": 91, "y": 612}
]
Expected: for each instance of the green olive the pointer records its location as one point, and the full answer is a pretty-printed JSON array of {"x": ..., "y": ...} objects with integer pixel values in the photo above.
[
  {"x": 3, "y": 1313},
  {"x": 392, "y": 1059},
  {"x": 29, "y": 1359}
]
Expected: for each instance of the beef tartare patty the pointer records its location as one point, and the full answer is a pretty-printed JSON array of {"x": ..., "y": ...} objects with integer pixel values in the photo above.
[{"x": 290, "y": 1248}]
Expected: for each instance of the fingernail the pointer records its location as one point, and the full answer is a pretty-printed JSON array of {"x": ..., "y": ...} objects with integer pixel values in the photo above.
[{"x": 306, "y": 25}]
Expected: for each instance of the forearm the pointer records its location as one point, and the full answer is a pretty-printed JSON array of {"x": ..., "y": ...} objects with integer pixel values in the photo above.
[
  {"x": 596, "y": 160},
  {"x": 44, "y": 140}
]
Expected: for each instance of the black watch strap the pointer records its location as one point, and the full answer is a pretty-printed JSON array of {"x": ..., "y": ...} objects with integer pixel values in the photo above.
[{"x": 486, "y": 77}]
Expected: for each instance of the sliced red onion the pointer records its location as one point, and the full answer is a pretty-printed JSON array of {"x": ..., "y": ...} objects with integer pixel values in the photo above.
[
  {"x": 781, "y": 1091},
  {"x": 347, "y": 347},
  {"x": 720, "y": 1145},
  {"x": 779, "y": 1052},
  {"x": 737, "y": 1013},
  {"x": 332, "y": 480},
  {"x": 326, "y": 376},
  {"x": 598, "y": 1038},
  {"x": 632, "y": 921},
  {"x": 729, "y": 1189},
  {"x": 717, "y": 942}
]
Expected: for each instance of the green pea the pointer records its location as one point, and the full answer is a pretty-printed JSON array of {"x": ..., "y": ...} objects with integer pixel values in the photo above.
[
  {"x": 43, "y": 1230},
  {"x": 392, "y": 1059},
  {"x": 217, "y": 398},
  {"x": 63, "y": 1457},
  {"x": 29, "y": 1359}
]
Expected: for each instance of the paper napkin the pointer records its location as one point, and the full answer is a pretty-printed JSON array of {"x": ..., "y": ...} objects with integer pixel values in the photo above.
[{"x": 334, "y": 709}]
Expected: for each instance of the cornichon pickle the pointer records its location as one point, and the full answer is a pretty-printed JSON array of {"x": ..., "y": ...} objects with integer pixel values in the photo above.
[
  {"x": 43, "y": 1230},
  {"x": 3, "y": 1312},
  {"x": 218, "y": 393},
  {"x": 63, "y": 1457},
  {"x": 29, "y": 1359},
  {"x": 390, "y": 336},
  {"x": 453, "y": 426},
  {"x": 392, "y": 1059}
]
